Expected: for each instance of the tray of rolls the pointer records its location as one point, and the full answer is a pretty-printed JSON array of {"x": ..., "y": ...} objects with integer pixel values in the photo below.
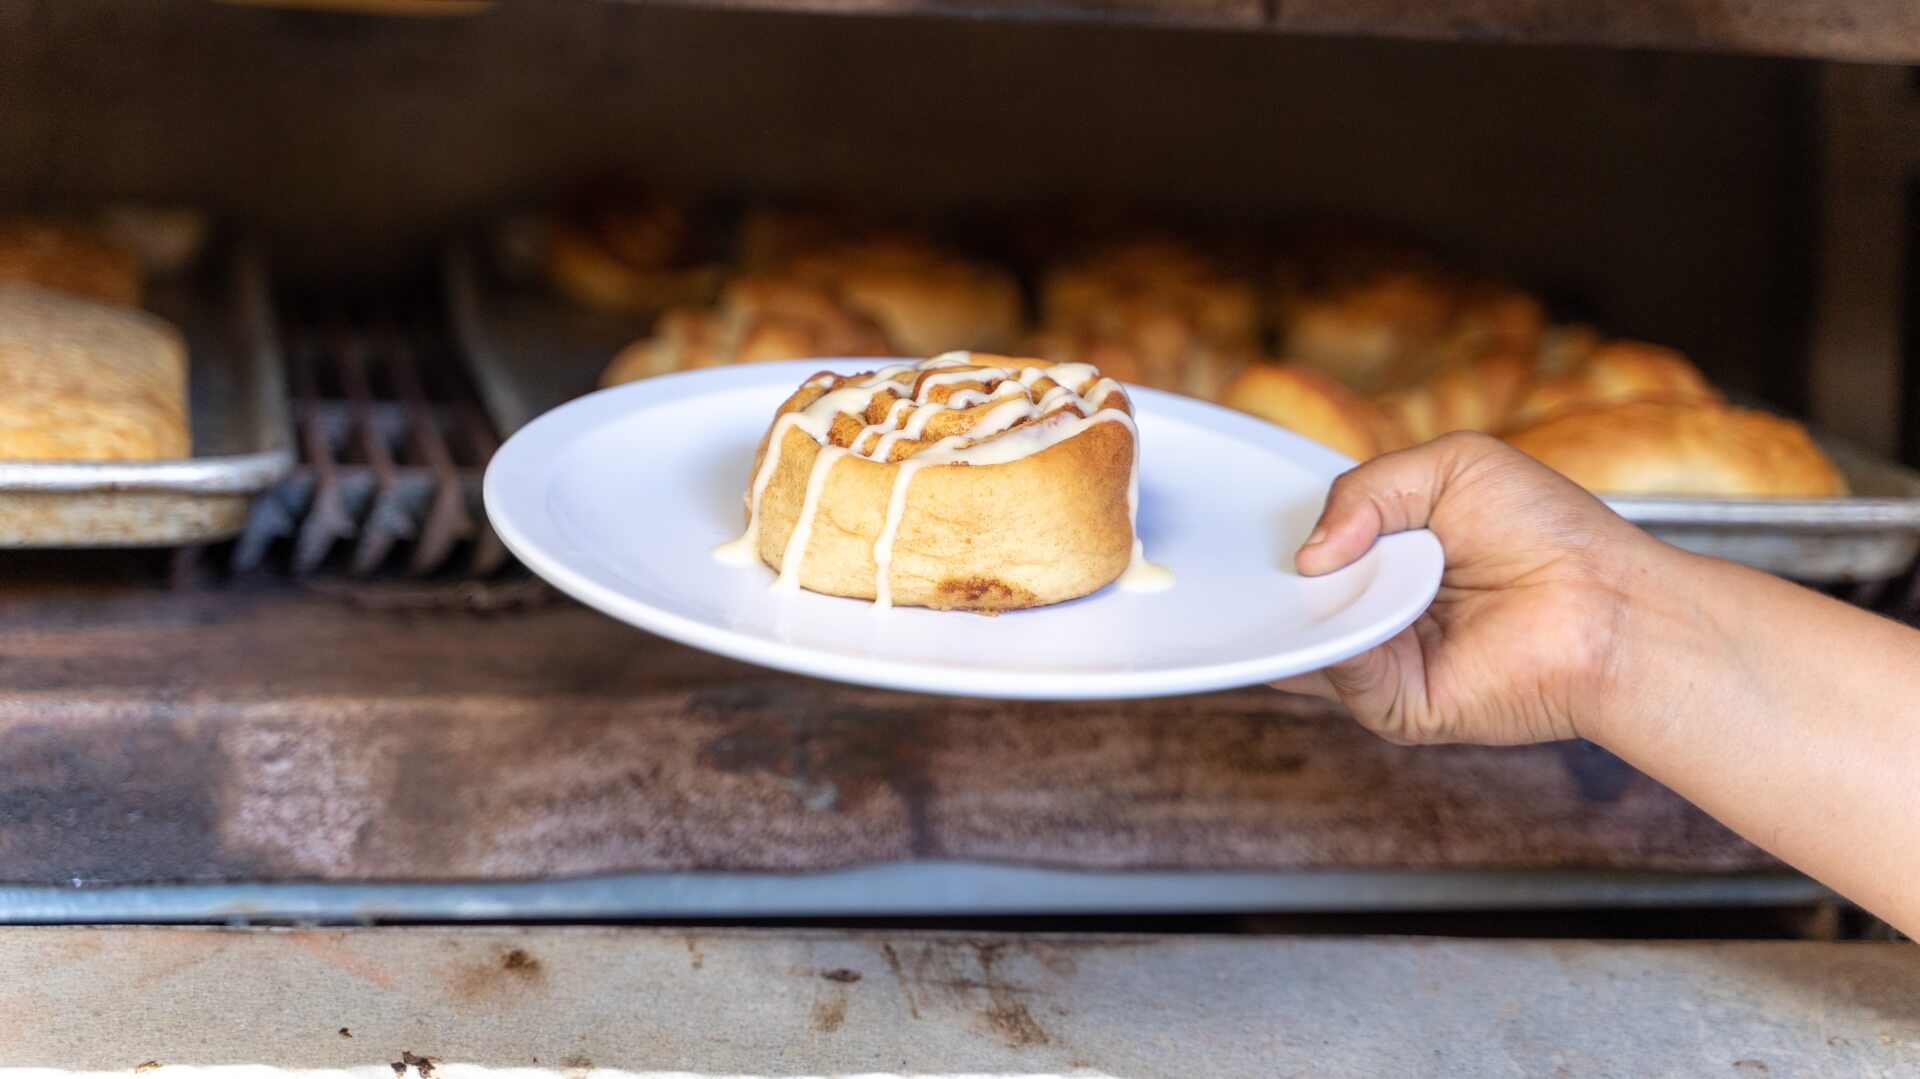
[
  {"x": 141, "y": 400},
  {"x": 1361, "y": 341}
]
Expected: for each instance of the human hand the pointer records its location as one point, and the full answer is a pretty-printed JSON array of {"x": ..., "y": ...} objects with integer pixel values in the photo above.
[{"x": 1521, "y": 642}]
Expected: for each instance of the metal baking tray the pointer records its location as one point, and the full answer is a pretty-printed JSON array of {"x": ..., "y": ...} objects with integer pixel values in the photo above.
[
  {"x": 530, "y": 351},
  {"x": 242, "y": 440},
  {"x": 1871, "y": 535}
]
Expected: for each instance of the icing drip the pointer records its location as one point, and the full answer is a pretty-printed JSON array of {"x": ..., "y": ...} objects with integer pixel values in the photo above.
[{"x": 996, "y": 437}]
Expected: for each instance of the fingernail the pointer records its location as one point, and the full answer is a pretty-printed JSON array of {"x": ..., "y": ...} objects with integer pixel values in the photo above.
[{"x": 1315, "y": 536}]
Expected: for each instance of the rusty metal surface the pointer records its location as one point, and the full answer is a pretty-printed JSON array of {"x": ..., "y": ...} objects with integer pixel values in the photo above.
[
  {"x": 456, "y": 1003},
  {"x": 258, "y": 734},
  {"x": 391, "y": 449},
  {"x": 241, "y": 439}
]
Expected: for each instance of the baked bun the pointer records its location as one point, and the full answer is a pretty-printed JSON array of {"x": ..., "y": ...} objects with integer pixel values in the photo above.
[
  {"x": 1118, "y": 288},
  {"x": 1477, "y": 393},
  {"x": 70, "y": 258},
  {"x": 88, "y": 381},
  {"x": 631, "y": 252},
  {"x": 926, "y": 298},
  {"x": 1612, "y": 372},
  {"x": 1311, "y": 403},
  {"x": 1148, "y": 346},
  {"x": 770, "y": 238},
  {"x": 1381, "y": 315},
  {"x": 758, "y": 318},
  {"x": 1682, "y": 448},
  {"x": 967, "y": 482}
]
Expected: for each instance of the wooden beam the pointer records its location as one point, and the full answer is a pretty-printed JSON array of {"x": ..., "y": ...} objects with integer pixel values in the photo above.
[
  {"x": 439, "y": 1003},
  {"x": 1861, "y": 31}
]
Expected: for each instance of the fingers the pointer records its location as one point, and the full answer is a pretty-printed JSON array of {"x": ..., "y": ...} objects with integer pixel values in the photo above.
[
  {"x": 1391, "y": 493},
  {"x": 1310, "y": 684},
  {"x": 1375, "y": 686}
]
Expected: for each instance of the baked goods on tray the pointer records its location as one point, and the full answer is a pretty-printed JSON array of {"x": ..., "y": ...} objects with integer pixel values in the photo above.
[
  {"x": 87, "y": 381},
  {"x": 927, "y": 299},
  {"x": 927, "y": 296},
  {"x": 70, "y": 257},
  {"x": 1614, "y": 372},
  {"x": 757, "y": 318},
  {"x": 1114, "y": 288},
  {"x": 1311, "y": 403},
  {"x": 1472, "y": 392},
  {"x": 965, "y": 482},
  {"x": 1381, "y": 315},
  {"x": 1145, "y": 347},
  {"x": 627, "y": 252},
  {"x": 1682, "y": 448}
]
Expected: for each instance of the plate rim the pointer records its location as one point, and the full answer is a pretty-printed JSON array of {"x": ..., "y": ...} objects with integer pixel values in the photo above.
[{"x": 564, "y": 425}]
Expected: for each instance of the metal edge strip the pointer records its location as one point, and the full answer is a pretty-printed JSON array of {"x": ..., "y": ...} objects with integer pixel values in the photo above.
[{"x": 904, "y": 889}]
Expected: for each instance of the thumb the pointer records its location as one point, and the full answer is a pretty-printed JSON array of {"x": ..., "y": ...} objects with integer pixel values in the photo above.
[{"x": 1391, "y": 493}]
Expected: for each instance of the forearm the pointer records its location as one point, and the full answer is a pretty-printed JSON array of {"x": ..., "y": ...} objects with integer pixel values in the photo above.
[{"x": 1791, "y": 717}]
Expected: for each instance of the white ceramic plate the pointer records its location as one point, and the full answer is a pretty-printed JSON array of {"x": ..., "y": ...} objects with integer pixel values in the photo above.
[{"x": 618, "y": 498}]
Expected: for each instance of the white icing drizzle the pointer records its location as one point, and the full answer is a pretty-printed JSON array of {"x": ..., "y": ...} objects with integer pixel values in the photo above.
[{"x": 995, "y": 438}]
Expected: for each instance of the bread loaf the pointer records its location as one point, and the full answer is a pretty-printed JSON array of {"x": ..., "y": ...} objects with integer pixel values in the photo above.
[
  {"x": 70, "y": 258},
  {"x": 87, "y": 381},
  {"x": 1613, "y": 372},
  {"x": 1682, "y": 448}
]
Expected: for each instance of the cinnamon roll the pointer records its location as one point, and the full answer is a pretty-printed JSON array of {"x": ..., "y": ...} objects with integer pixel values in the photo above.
[
  {"x": 965, "y": 482},
  {"x": 628, "y": 252}
]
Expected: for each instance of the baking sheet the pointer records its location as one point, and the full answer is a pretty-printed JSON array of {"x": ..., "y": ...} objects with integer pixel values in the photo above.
[
  {"x": 242, "y": 441},
  {"x": 530, "y": 352}
]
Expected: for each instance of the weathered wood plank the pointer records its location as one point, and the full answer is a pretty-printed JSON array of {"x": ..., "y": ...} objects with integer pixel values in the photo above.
[{"x": 252, "y": 734}]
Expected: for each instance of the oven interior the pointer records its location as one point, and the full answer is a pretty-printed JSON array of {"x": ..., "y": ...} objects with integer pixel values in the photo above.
[{"x": 362, "y": 710}]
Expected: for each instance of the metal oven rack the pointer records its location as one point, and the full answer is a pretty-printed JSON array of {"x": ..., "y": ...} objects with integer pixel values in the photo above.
[{"x": 392, "y": 446}]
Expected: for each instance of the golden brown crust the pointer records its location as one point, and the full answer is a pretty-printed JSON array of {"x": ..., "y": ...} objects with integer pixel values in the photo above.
[
  {"x": 70, "y": 258},
  {"x": 1682, "y": 448},
  {"x": 1595, "y": 374},
  {"x": 1047, "y": 527},
  {"x": 88, "y": 381},
  {"x": 1310, "y": 403}
]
